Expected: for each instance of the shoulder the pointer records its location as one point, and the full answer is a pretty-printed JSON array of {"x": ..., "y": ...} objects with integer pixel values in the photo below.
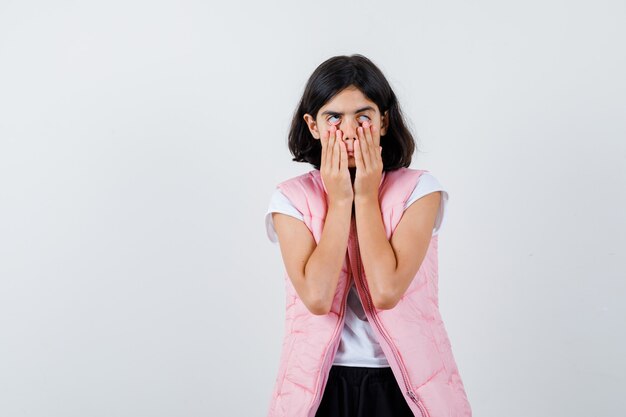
[
  {"x": 306, "y": 192},
  {"x": 279, "y": 203},
  {"x": 399, "y": 183},
  {"x": 279, "y": 200},
  {"x": 308, "y": 178},
  {"x": 428, "y": 181},
  {"x": 427, "y": 185}
]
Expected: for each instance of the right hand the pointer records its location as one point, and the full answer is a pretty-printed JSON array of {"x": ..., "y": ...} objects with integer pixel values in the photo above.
[{"x": 334, "y": 167}]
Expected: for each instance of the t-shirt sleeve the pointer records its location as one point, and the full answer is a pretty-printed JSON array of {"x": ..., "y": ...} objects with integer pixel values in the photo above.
[
  {"x": 279, "y": 203},
  {"x": 427, "y": 184}
]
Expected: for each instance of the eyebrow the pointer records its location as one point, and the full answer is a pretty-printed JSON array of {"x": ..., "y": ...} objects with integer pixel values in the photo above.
[{"x": 335, "y": 113}]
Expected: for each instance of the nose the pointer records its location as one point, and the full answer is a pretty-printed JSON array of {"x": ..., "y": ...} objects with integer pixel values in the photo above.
[
  {"x": 348, "y": 127},
  {"x": 349, "y": 133}
]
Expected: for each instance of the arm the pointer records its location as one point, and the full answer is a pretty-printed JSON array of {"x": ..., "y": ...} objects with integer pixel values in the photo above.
[
  {"x": 391, "y": 265},
  {"x": 314, "y": 269}
]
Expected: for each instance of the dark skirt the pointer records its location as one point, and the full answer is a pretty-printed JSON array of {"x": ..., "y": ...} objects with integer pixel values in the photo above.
[{"x": 354, "y": 391}]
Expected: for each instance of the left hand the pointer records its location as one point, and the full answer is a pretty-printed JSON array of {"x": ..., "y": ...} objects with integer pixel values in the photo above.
[{"x": 369, "y": 162}]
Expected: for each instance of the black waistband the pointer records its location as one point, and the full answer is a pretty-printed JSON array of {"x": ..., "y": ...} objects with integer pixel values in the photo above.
[{"x": 355, "y": 374}]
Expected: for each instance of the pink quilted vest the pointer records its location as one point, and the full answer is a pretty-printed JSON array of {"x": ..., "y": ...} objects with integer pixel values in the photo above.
[{"x": 412, "y": 334}]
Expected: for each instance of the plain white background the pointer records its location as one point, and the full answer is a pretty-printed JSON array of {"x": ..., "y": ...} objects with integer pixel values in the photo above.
[{"x": 140, "y": 143}]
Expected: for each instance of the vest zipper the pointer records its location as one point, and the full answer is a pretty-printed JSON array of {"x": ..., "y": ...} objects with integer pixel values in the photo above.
[
  {"x": 320, "y": 387},
  {"x": 403, "y": 370}
]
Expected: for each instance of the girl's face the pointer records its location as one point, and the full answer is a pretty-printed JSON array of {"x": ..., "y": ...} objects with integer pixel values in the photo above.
[{"x": 347, "y": 111}]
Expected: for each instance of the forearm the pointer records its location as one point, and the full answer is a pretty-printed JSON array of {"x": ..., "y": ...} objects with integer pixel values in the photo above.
[
  {"x": 325, "y": 263},
  {"x": 377, "y": 254}
]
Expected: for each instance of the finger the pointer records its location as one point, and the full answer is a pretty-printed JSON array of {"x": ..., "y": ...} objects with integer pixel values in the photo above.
[
  {"x": 365, "y": 148},
  {"x": 337, "y": 151},
  {"x": 330, "y": 147},
  {"x": 358, "y": 157},
  {"x": 376, "y": 133},
  {"x": 344, "y": 157},
  {"x": 367, "y": 127},
  {"x": 324, "y": 141},
  {"x": 374, "y": 147}
]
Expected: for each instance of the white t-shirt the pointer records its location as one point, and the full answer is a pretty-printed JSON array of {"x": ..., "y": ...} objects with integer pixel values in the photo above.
[{"x": 358, "y": 345}]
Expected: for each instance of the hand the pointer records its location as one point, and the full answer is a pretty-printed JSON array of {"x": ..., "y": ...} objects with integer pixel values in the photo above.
[
  {"x": 334, "y": 167},
  {"x": 369, "y": 162}
]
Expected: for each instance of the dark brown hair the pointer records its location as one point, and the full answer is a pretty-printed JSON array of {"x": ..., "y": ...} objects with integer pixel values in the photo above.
[{"x": 331, "y": 77}]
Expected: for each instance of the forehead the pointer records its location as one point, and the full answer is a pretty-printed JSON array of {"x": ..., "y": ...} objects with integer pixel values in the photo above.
[{"x": 348, "y": 100}]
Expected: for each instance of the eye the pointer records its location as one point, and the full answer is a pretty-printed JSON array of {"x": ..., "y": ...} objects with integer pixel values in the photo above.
[
  {"x": 367, "y": 117},
  {"x": 332, "y": 122}
]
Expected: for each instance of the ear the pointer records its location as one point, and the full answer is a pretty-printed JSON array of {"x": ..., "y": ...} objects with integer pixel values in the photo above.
[
  {"x": 384, "y": 123},
  {"x": 310, "y": 121}
]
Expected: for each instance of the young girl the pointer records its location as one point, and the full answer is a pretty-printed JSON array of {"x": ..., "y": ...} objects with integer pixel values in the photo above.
[{"x": 358, "y": 236}]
